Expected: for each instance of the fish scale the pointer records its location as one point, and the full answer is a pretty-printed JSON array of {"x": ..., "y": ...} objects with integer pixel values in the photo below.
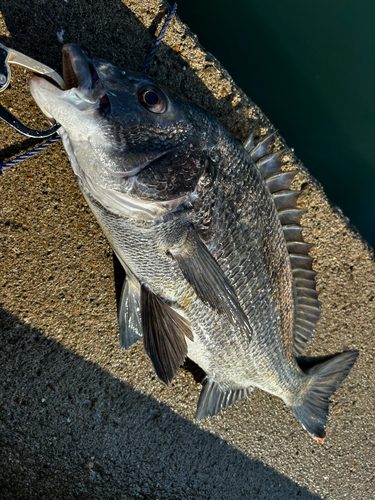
[
  {"x": 208, "y": 232},
  {"x": 240, "y": 246}
]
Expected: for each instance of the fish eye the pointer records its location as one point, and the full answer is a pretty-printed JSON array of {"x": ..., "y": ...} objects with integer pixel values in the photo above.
[{"x": 153, "y": 100}]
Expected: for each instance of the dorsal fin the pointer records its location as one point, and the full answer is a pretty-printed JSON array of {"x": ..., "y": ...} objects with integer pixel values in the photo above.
[{"x": 279, "y": 182}]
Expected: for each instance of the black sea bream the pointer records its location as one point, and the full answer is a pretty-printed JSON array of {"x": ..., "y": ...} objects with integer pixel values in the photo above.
[{"x": 208, "y": 233}]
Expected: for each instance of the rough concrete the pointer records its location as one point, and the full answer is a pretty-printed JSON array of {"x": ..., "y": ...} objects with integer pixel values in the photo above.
[{"x": 82, "y": 418}]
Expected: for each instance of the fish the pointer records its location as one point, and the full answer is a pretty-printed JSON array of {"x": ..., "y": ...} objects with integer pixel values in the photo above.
[{"x": 208, "y": 232}]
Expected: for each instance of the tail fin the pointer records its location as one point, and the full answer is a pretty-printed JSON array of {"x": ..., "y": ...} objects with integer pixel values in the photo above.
[{"x": 325, "y": 378}]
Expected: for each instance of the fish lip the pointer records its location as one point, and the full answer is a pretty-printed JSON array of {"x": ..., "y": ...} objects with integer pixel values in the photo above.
[
  {"x": 76, "y": 70},
  {"x": 79, "y": 73},
  {"x": 83, "y": 86},
  {"x": 38, "y": 84}
]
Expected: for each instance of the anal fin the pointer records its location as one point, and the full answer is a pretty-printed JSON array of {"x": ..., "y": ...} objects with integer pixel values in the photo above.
[
  {"x": 215, "y": 398},
  {"x": 129, "y": 314},
  {"x": 164, "y": 332}
]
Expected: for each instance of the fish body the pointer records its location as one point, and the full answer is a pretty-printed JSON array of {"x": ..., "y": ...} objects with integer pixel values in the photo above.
[{"x": 207, "y": 233}]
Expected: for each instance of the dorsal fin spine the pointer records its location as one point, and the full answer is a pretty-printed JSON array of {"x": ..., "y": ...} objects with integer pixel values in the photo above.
[
  {"x": 279, "y": 183},
  {"x": 301, "y": 283}
]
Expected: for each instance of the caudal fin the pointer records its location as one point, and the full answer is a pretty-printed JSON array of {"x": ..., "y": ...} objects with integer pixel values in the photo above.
[{"x": 325, "y": 378}]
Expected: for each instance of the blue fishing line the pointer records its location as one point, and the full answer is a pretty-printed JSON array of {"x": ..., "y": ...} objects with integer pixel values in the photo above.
[
  {"x": 159, "y": 38},
  {"x": 56, "y": 137},
  {"x": 29, "y": 154}
]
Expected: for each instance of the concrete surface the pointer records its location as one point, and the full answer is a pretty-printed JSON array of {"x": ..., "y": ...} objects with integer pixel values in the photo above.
[{"x": 82, "y": 418}]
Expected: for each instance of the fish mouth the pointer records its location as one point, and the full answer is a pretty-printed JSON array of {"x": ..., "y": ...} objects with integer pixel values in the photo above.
[
  {"x": 79, "y": 73},
  {"x": 83, "y": 90},
  {"x": 76, "y": 68}
]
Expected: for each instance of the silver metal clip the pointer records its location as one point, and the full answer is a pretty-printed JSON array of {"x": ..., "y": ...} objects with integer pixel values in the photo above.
[{"x": 11, "y": 56}]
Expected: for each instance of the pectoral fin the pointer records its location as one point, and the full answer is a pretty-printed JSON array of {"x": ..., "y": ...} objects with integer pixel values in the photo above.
[
  {"x": 208, "y": 280},
  {"x": 164, "y": 332},
  {"x": 129, "y": 314}
]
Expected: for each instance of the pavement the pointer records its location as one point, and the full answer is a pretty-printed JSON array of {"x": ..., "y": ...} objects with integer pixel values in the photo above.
[{"x": 81, "y": 418}]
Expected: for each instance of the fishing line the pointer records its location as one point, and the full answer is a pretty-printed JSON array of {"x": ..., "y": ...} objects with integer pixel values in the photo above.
[
  {"x": 159, "y": 38},
  {"x": 56, "y": 137},
  {"x": 29, "y": 154}
]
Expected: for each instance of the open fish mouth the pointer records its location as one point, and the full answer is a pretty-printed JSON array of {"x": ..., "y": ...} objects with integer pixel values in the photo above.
[
  {"x": 77, "y": 70},
  {"x": 84, "y": 89},
  {"x": 79, "y": 73}
]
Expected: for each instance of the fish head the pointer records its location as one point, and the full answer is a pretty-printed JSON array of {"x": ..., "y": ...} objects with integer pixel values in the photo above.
[{"x": 136, "y": 147}]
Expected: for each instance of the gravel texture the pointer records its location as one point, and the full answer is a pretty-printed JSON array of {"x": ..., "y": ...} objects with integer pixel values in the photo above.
[{"x": 82, "y": 418}]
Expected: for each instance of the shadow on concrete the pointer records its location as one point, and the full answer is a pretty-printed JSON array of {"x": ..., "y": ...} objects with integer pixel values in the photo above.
[{"x": 71, "y": 430}]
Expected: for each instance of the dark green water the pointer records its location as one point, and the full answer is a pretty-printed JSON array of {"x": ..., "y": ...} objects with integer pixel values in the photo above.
[{"x": 310, "y": 66}]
